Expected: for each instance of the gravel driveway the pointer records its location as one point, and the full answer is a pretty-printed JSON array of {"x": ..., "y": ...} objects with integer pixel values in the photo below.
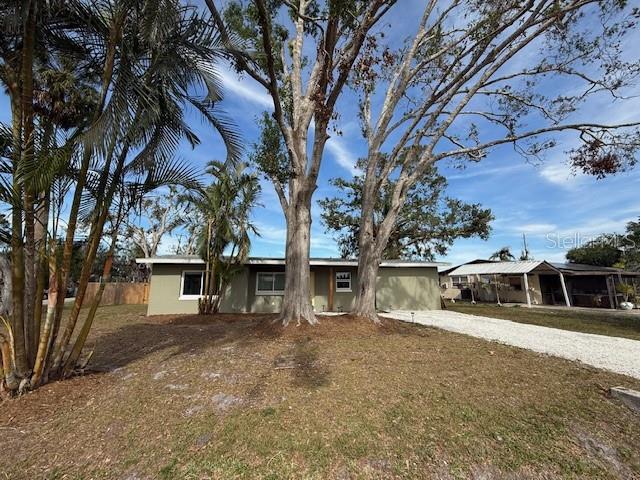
[{"x": 619, "y": 355}]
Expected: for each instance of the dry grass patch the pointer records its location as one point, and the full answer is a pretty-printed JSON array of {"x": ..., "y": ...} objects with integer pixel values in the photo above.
[{"x": 236, "y": 396}]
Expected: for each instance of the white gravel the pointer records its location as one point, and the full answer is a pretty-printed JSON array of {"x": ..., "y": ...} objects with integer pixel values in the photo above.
[{"x": 620, "y": 355}]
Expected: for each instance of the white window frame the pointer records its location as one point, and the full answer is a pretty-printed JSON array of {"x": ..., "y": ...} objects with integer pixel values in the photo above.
[
  {"x": 343, "y": 289},
  {"x": 191, "y": 297},
  {"x": 268, "y": 292}
]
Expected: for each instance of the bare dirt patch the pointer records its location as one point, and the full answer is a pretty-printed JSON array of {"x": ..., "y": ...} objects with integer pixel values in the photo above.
[{"x": 237, "y": 396}]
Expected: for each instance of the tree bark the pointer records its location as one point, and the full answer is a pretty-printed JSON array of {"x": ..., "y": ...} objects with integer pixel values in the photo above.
[
  {"x": 368, "y": 251},
  {"x": 368, "y": 264},
  {"x": 373, "y": 240},
  {"x": 296, "y": 304}
]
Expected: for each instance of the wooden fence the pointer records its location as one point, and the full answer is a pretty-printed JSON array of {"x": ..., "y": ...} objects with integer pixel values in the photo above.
[{"x": 120, "y": 293}]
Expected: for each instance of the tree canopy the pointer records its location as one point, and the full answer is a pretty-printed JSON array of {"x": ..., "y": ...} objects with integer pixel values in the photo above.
[
  {"x": 428, "y": 223},
  {"x": 611, "y": 249}
]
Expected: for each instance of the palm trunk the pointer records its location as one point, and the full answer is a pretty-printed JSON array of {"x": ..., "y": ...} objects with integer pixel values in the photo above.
[
  {"x": 46, "y": 335},
  {"x": 92, "y": 249},
  {"x": 41, "y": 271},
  {"x": 26, "y": 159},
  {"x": 67, "y": 251},
  {"x": 40, "y": 236},
  {"x": 296, "y": 304},
  {"x": 52, "y": 311},
  {"x": 8, "y": 373},
  {"x": 65, "y": 266},
  {"x": 17, "y": 249},
  {"x": 86, "y": 327},
  {"x": 30, "y": 335},
  {"x": 203, "y": 307}
]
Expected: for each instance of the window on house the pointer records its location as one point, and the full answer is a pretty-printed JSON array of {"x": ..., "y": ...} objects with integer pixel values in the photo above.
[
  {"x": 270, "y": 283},
  {"x": 191, "y": 284},
  {"x": 515, "y": 283},
  {"x": 459, "y": 281},
  {"x": 343, "y": 281}
]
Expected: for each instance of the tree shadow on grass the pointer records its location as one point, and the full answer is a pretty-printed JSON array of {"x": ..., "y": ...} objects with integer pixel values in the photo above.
[
  {"x": 307, "y": 369},
  {"x": 177, "y": 335}
]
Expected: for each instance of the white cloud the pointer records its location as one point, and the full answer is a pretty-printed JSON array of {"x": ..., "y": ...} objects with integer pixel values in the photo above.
[
  {"x": 535, "y": 228},
  {"x": 274, "y": 235},
  {"x": 245, "y": 89},
  {"x": 473, "y": 172},
  {"x": 342, "y": 155},
  {"x": 560, "y": 173}
]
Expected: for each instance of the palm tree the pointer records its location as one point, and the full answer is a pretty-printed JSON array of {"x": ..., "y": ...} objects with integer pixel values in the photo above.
[
  {"x": 140, "y": 63},
  {"x": 225, "y": 240},
  {"x": 163, "y": 57},
  {"x": 504, "y": 255}
]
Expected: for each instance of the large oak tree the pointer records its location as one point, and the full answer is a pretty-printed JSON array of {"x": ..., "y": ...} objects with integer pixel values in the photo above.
[
  {"x": 301, "y": 52},
  {"x": 477, "y": 74}
]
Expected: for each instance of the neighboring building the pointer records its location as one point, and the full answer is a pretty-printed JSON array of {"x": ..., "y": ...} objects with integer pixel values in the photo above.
[
  {"x": 176, "y": 285},
  {"x": 457, "y": 287},
  {"x": 536, "y": 283}
]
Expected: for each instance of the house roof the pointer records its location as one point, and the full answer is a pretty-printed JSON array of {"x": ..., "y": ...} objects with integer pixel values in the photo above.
[{"x": 337, "y": 262}]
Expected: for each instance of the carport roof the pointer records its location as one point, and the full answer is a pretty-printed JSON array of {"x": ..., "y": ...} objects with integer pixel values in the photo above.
[
  {"x": 522, "y": 267},
  {"x": 583, "y": 269},
  {"x": 502, "y": 268}
]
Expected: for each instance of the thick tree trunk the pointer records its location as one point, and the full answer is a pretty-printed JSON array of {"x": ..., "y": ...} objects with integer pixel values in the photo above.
[
  {"x": 368, "y": 252},
  {"x": 296, "y": 304},
  {"x": 368, "y": 263}
]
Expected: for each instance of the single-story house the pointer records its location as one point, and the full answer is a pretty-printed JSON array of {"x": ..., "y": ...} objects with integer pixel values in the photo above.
[
  {"x": 536, "y": 283},
  {"x": 177, "y": 282}
]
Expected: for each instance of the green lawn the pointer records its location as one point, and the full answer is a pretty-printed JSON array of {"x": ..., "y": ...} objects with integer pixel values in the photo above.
[
  {"x": 237, "y": 397},
  {"x": 616, "y": 324}
]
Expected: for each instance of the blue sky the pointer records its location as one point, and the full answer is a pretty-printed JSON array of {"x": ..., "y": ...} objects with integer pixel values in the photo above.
[{"x": 544, "y": 201}]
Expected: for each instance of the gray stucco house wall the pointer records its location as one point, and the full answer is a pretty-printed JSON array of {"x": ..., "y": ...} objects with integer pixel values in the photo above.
[{"x": 334, "y": 283}]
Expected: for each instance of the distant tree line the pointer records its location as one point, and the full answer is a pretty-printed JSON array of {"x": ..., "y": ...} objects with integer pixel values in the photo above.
[{"x": 611, "y": 249}]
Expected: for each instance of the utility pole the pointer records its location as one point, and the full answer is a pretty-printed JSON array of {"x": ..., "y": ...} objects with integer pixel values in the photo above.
[{"x": 525, "y": 250}]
